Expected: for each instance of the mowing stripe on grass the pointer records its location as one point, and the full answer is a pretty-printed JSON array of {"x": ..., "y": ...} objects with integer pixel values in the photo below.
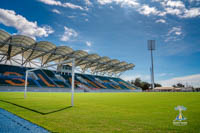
[{"x": 14, "y": 124}]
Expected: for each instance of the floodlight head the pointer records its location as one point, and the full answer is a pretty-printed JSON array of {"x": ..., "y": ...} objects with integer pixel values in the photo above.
[{"x": 151, "y": 44}]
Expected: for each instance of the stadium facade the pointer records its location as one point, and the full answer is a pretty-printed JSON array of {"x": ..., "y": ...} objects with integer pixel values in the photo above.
[{"x": 19, "y": 53}]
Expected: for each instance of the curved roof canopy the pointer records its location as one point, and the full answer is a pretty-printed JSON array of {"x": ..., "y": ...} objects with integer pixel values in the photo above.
[{"x": 46, "y": 52}]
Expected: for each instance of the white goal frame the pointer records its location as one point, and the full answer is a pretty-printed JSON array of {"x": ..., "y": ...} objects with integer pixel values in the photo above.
[{"x": 72, "y": 73}]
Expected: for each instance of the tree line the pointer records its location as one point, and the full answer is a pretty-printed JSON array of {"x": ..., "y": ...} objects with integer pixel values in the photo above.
[
  {"x": 147, "y": 86},
  {"x": 143, "y": 84}
]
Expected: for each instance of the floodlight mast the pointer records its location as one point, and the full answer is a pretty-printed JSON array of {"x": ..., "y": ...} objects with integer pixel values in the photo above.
[
  {"x": 72, "y": 73},
  {"x": 151, "y": 47}
]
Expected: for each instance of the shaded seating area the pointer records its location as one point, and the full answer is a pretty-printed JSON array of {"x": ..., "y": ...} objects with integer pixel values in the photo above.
[{"x": 15, "y": 76}]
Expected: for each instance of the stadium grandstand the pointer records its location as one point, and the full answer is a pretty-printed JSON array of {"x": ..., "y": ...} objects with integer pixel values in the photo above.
[{"x": 19, "y": 53}]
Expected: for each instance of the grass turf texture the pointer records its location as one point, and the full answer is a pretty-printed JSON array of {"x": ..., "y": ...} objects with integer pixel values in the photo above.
[{"x": 106, "y": 112}]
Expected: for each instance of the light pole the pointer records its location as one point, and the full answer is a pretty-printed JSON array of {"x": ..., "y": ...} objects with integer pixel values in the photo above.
[{"x": 151, "y": 47}]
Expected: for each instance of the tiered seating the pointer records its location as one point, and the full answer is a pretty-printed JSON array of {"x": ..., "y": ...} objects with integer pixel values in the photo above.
[
  {"x": 49, "y": 73},
  {"x": 53, "y": 78},
  {"x": 8, "y": 68},
  {"x": 107, "y": 82},
  {"x": 124, "y": 83},
  {"x": 67, "y": 77},
  {"x": 15, "y": 75},
  {"x": 91, "y": 80},
  {"x": 83, "y": 81},
  {"x": 44, "y": 80}
]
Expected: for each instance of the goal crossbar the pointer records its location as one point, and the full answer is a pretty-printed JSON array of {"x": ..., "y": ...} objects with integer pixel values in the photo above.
[{"x": 63, "y": 62}]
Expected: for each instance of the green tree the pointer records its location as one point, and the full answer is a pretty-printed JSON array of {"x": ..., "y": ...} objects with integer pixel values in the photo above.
[
  {"x": 179, "y": 85},
  {"x": 158, "y": 85},
  {"x": 145, "y": 85},
  {"x": 137, "y": 82},
  {"x": 142, "y": 84}
]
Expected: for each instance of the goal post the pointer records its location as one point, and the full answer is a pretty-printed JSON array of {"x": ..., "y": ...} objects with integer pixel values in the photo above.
[
  {"x": 72, "y": 84},
  {"x": 63, "y": 62}
]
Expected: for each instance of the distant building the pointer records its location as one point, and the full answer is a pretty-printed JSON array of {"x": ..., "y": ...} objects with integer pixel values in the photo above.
[
  {"x": 166, "y": 89},
  {"x": 187, "y": 89}
]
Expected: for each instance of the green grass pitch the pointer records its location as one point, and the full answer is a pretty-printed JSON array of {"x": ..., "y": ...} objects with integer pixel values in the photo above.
[{"x": 106, "y": 112}]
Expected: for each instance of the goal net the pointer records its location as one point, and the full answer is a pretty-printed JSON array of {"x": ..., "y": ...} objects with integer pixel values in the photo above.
[{"x": 49, "y": 66}]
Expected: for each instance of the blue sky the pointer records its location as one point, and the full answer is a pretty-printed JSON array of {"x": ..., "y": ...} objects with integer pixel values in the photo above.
[{"x": 117, "y": 29}]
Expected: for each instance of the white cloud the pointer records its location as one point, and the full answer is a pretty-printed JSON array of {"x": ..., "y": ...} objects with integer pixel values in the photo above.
[
  {"x": 130, "y": 3},
  {"x": 89, "y": 44},
  {"x": 178, "y": 8},
  {"x": 174, "y": 34},
  {"x": 88, "y": 2},
  {"x": 146, "y": 10},
  {"x": 191, "y": 13},
  {"x": 178, "y": 4},
  {"x": 68, "y": 34},
  {"x": 87, "y": 50},
  {"x": 175, "y": 31},
  {"x": 155, "y": 0},
  {"x": 164, "y": 74},
  {"x": 70, "y": 5},
  {"x": 51, "y": 2},
  {"x": 195, "y": 2},
  {"x": 103, "y": 2},
  {"x": 142, "y": 9},
  {"x": 193, "y": 80},
  {"x": 56, "y": 11},
  {"x": 133, "y": 77},
  {"x": 171, "y": 7},
  {"x": 58, "y": 3},
  {"x": 86, "y": 20},
  {"x": 123, "y": 3},
  {"x": 160, "y": 21},
  {"x": 24, "y": 27},
  {"x": 173, "y": 11}
]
